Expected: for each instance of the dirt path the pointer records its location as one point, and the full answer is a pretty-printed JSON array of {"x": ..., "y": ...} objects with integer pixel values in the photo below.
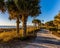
[{"x": 44, "y": 40}]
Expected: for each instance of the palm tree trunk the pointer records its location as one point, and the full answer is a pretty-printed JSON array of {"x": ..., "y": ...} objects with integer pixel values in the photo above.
[
  {"x": 24, "y": 20},
  {"x": 24, "y": 28},
  {"x": 17, "y": 25}
]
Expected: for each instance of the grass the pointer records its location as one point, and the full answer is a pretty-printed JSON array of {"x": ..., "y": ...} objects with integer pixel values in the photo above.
[{"x": 7, "y": 36}]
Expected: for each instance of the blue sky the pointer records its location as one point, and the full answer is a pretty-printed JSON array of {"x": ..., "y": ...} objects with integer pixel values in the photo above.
[{"x": 49, "y": 9}]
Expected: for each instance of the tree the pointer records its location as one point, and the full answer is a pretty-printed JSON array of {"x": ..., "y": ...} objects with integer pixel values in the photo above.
[
  {"x": 37, "y": 22},
  {"x": 27, "y": 8},
  {"x": 12, "y": 11},
  {"x": 49, "y": 24},
  {"x": 21, "y": 10},
  {"x": 57, "y": 20},
  {"x": 2, "y": 6}
]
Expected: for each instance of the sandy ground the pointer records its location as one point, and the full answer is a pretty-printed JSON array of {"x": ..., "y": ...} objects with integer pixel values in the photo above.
[{"x": 44, "y": 40}]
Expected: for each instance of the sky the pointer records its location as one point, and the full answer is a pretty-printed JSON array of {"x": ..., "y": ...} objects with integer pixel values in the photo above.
[{"x": 49, "y": 9}]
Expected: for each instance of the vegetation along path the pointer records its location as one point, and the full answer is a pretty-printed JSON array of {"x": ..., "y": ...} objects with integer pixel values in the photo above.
[{"x": 44, "y": 40}]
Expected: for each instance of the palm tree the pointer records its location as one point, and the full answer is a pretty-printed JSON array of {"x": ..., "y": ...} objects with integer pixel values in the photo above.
[
  {"x": 37, "y": 22},
  {"x": 27, "y": 8},
  {"x": 12, "y": 10},
  {"x": 14, "y": 13},
  {"x": 20, "y": 10},
  {"x": 34, "y": 22}
]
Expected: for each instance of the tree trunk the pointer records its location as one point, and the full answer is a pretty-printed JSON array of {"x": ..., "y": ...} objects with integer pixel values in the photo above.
[
  {"x": 24, "y": 20},
  {"x": 24, "y": 28},
  {"x": 17, "y": 25}
]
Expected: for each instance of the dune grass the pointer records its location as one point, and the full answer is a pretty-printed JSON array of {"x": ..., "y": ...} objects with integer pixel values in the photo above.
[{"x": 7, "y": 36}]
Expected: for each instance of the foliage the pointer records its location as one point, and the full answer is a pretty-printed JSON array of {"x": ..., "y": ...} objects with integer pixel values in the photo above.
[
  {"x": 2, "y": 6},
  {"x": 57, "y": 19},
  {"x": 28, "y": 7},
  {"x": 49, "y": 25},
  {"x": 36, "y": 21},
  {"x": 53, "y": 29}
]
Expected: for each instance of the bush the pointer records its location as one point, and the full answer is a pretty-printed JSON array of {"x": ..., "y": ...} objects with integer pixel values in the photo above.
[
  {"x": 58, "y": 29},
  {"x": 53, "y": 29}
]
